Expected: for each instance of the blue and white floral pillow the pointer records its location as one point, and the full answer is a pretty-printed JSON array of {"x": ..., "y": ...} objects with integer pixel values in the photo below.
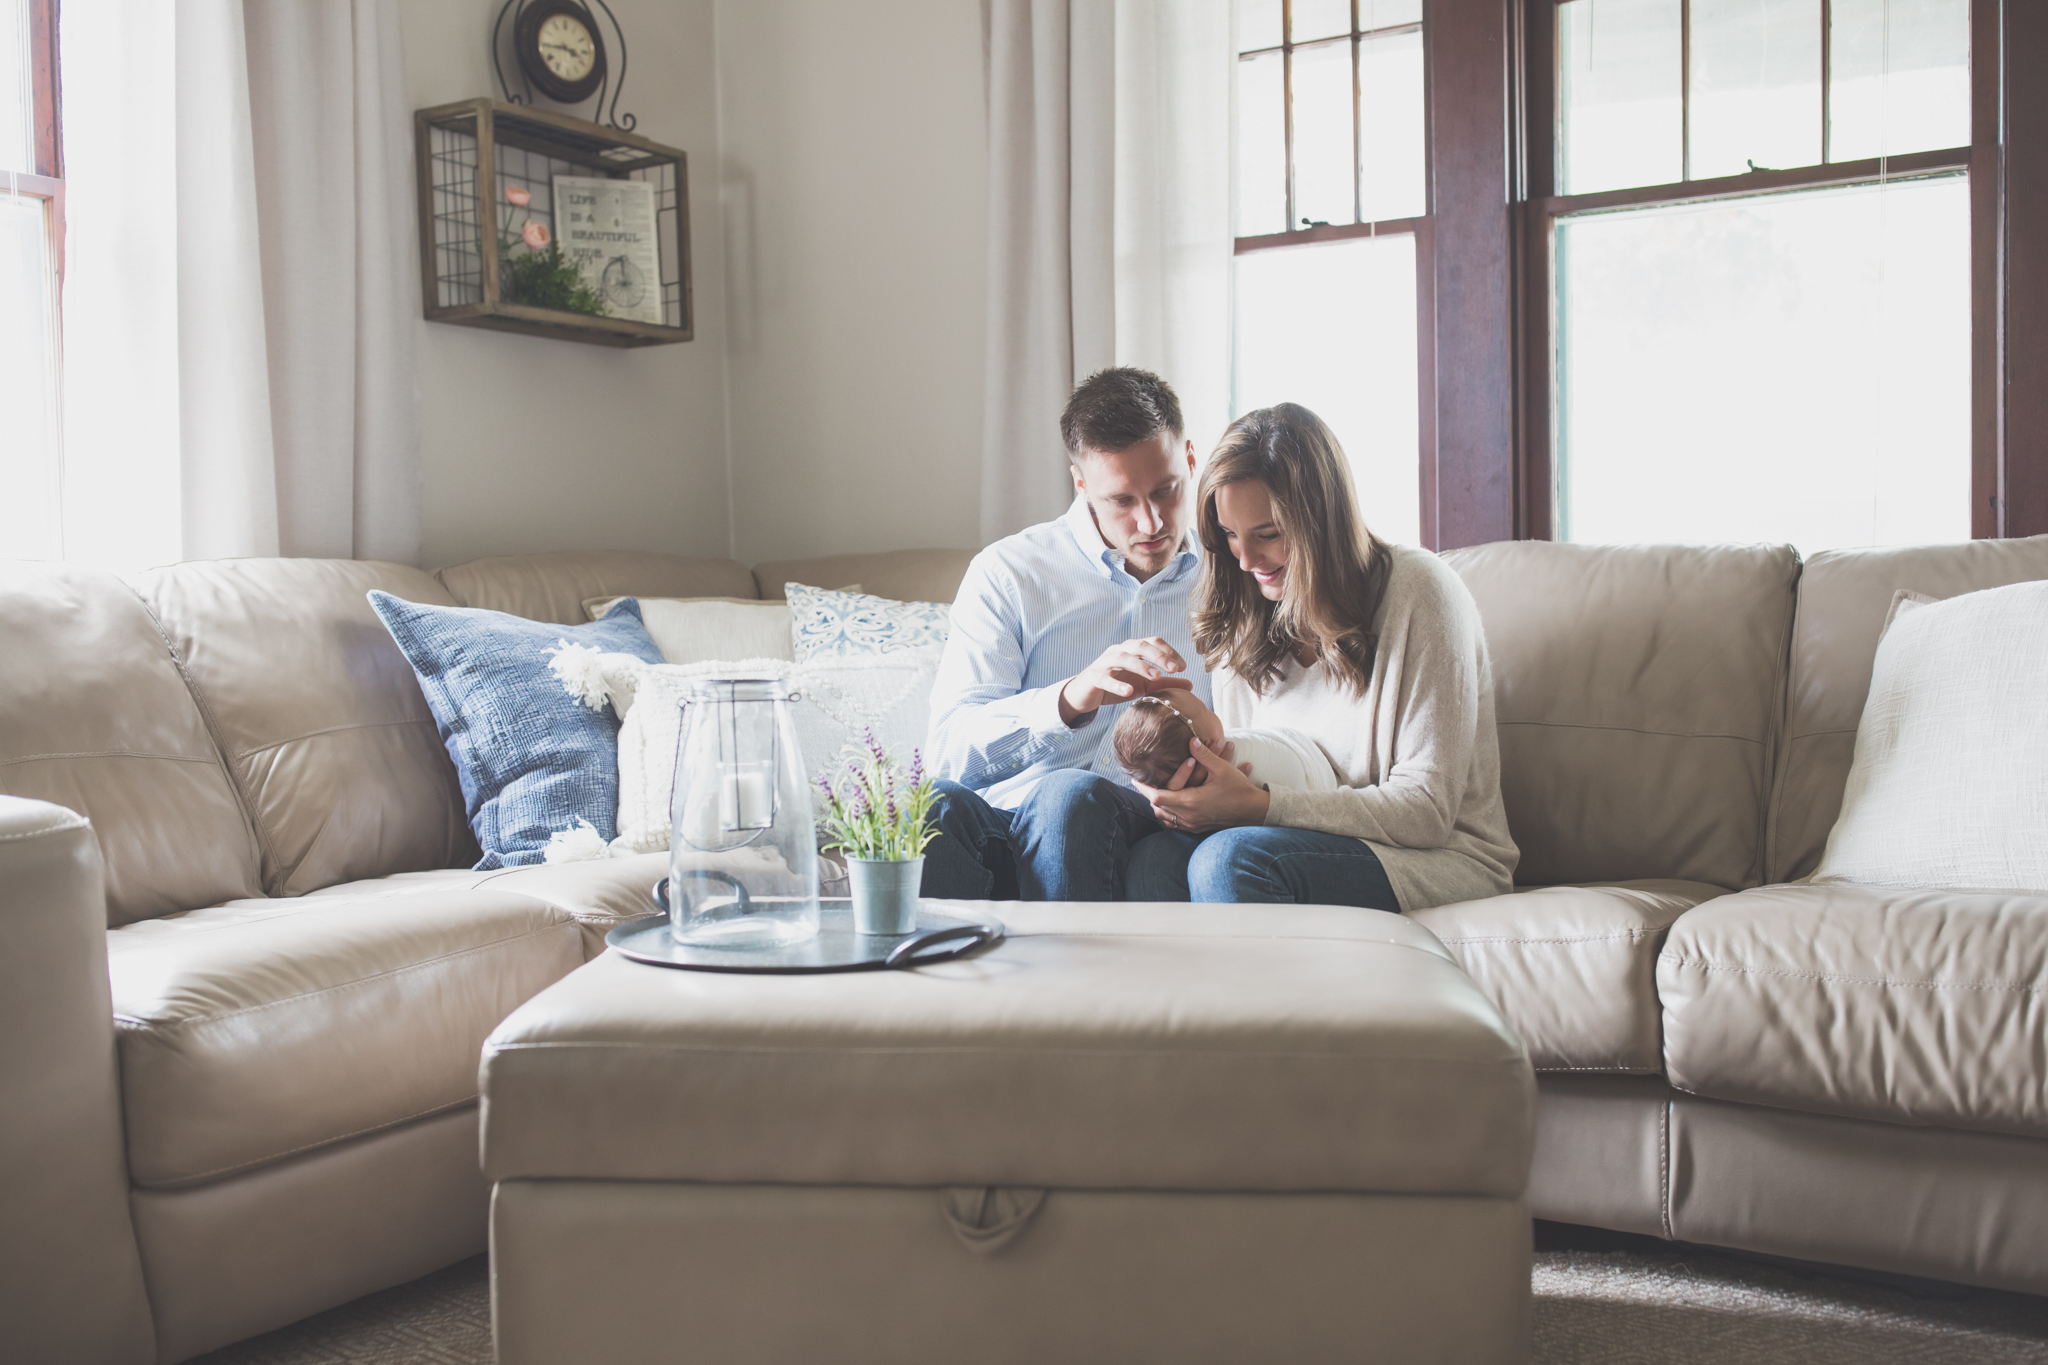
[{"x": 829, "y": 625}]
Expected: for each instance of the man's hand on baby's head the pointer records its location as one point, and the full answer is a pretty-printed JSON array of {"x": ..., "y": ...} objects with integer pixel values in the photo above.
[{"x": 1123, "y": 671}]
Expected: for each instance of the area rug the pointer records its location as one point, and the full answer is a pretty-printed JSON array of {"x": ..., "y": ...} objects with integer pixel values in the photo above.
[{"x": 1593, "y": 1307}]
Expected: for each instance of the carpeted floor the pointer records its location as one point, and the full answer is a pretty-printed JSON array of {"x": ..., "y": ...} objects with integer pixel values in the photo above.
[{"x": 1600, "y": 1300}]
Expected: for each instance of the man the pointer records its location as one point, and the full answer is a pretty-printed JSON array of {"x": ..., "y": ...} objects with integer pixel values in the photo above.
[{"x": 1052, "y": 629}]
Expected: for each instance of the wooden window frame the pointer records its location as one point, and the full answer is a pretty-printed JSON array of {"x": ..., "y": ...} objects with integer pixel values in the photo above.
[
  {"x": 2008, "y": 257},
  {"x": 1419, "y": 226},
  {"x": 46, "y": 181}
]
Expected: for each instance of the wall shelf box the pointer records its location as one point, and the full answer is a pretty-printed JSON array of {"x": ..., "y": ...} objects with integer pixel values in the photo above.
[{"x": 471, "y": 153}]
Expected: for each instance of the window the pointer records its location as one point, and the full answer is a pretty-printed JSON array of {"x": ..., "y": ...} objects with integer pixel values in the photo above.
[
  {"x": 1758, "y": 316},
  {"x": 1332, "y": 233},
  {"x": 31, "y": 243}
]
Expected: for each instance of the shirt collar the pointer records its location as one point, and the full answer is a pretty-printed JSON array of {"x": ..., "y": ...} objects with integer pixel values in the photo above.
[{"x": 1080, "y": 521}]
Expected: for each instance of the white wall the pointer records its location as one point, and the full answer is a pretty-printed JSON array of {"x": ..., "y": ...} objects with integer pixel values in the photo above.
[
  {"x": 856, "y": 214},
  {"x": 529, "y": 444},
  {"x": 838, "y": 161}
]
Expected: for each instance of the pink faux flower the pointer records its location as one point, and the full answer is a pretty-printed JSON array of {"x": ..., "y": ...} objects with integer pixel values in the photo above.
[
  {"x": 535, "y": 235},
  {"x": 515, "y": 195}
]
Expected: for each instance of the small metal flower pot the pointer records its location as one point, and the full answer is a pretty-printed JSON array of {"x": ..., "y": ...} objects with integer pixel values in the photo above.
[{"x": 885, "y": 894}]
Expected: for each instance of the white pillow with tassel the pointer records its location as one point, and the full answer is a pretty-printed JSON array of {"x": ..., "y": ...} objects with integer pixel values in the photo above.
[{"x": 837, "y": 700}]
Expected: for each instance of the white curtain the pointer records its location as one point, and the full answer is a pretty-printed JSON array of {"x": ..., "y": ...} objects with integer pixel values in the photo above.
[
  {"x": 1109, "y": 224},
  {"x": 240, "y": 282}
]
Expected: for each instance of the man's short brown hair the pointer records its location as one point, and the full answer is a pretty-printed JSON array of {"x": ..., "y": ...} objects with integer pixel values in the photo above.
[{"x": 1115, "y": 408}]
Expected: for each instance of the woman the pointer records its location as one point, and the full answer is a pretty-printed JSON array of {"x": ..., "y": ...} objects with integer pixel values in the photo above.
[{"x": 1371, "y": 651}]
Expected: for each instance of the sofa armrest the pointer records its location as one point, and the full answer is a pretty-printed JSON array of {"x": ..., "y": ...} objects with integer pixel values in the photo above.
[{"x": 70, "y": 1274}]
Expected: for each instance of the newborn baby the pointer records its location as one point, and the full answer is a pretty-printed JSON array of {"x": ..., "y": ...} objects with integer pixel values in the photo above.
[{"x": 1151, "y": 741}]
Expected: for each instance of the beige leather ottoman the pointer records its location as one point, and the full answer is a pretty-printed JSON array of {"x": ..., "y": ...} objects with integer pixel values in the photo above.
[{"x": 1130, "y": 1133}]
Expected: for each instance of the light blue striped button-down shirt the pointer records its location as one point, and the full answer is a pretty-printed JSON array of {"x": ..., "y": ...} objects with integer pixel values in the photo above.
[{"x": 1035, "y": 609}]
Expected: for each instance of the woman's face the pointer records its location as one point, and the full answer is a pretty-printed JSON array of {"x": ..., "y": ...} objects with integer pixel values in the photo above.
[{"x": 1245, "y": 512}]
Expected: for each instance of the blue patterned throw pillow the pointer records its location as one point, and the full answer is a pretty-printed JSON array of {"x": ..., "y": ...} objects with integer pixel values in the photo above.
[
  {"x": 533, "y": 760},
  {"x": 833, "y": 625}
]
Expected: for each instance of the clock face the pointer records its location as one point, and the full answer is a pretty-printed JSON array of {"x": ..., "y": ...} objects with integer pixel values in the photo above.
[{"x": 566, "y": 47}]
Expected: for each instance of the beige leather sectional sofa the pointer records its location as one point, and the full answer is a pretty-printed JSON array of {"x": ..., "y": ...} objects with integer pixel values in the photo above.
[{"x": 240, "y": 1012}]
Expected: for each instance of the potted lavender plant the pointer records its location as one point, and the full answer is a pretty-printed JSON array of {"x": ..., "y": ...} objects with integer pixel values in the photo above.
[{"x": 881, "y": 820}]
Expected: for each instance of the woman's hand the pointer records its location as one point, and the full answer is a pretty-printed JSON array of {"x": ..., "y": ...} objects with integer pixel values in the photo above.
[{"x": 1207, "y": 793}]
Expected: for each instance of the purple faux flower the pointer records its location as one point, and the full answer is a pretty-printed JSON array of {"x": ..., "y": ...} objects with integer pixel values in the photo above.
[
  {"x": 916, "y": 769},
  {"x": 874, "y": 745}
]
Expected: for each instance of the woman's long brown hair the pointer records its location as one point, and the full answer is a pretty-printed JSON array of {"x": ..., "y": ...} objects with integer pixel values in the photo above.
[{"x": 1336, "y": 569}]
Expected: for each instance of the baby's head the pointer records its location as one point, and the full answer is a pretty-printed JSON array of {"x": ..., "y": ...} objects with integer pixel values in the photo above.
[{"x": 1151, "y": 740}]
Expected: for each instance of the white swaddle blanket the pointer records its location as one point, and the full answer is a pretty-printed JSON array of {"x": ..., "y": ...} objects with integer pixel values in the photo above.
[{"x": 1283, "y": 758}]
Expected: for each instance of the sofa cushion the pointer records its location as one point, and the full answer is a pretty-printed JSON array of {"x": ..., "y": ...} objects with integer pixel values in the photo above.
[
  {"x": 598, "y": 895},
  {"x": 554, "y": 587},
  {"x": 1905, "y": 1006},
  {"x": 259, "y": 1029},
  {"x": 901, "y": 575},
  {"x": 95, "y": 715},
  {"x": 1126, "y": 1046},
  {"x": 1843, "y": 598},
  {"x": 318, "y": 714},
  {"x": 1638, "y": 690},
  {"x": 533, "y": 760},
  {"x": 1572, "y": 967}
]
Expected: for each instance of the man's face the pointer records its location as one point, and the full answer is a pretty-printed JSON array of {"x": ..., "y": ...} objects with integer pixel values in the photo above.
[{"x": 1139, "y": 496}]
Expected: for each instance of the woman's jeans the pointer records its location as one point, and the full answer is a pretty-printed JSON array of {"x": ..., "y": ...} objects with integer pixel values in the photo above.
[
  {"x": 1069, "y": 839},
  {"x": 1263, "y": 864}
]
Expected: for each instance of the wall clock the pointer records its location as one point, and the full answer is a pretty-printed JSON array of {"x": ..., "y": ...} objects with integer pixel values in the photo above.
[{"x": 559, "y": 50}]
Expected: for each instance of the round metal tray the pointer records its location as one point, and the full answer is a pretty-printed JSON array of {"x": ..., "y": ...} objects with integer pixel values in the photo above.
[{"x": 837, "y": 948}]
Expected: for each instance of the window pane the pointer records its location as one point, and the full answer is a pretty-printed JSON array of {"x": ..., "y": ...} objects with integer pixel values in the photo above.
[
  {"x": 1261, "y": 147},
  {"x": 1390, "y": 106},
  {"x": 1755, "y": 85},
  {"x": 1313, "y": 19},
  {"x": 29, "y": 523},
  {"x": 1901, "y": 72},
  {"x": 1374, "y": 14},
  {"x": 1323, "y": 161},
  {"x": 1258, "y": 24},
  {"x": 1620, "y": 121},
  {"x": 17, "y": 90},
  {"x": 1332, "y": 327},
  {"x": 1788, "y": 368}
]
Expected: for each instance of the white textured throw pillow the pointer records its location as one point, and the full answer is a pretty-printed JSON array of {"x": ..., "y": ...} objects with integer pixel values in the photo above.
[
  {"x": 1949, "y": 788},
  {"x": 852, "y": 624},
  {"x": 836, "y": 700}
]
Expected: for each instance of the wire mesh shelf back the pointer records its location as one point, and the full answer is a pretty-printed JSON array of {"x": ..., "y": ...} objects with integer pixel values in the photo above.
[{"x": 487, "y": 170}]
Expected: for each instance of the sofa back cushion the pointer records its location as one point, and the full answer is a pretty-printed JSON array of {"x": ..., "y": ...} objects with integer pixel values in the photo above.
[
  {"x": 901, "y": 575},
  {"x": 1843, "y": 598},
  {"x": 94, "y": 715},
  {"x": 1637, "y": 689},
  {"x": 554, "y": 586},
  {"x": 318, "y": 714}
]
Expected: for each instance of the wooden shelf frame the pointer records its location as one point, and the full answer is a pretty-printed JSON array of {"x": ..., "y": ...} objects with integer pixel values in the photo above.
[{"x": 494, "y": 123}]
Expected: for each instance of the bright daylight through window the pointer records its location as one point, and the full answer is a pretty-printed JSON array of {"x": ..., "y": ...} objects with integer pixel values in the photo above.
[
  {"x": 29, "y": 193},
  {"x": 1784, "y": 367},
  {"x": 1331, "y": 193}
]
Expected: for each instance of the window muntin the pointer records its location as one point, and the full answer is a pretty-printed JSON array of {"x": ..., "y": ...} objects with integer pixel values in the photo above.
[
  {"x": 1332, "y": 254},
  {"x": 1329, "y": 110},
  {"x": 1664, "y": 92}
]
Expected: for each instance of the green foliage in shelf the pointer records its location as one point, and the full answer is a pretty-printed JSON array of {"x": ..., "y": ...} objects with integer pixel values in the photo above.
[{"x": 545, "y": 279}]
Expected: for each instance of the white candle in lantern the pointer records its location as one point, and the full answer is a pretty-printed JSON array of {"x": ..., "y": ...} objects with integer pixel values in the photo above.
[{"x": 743, "y": 800}]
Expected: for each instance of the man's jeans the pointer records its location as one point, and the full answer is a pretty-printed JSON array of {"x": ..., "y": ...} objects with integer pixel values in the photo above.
[
  {"x": 1070, "y": 840},
  {"x": 1260, "y": 863}
]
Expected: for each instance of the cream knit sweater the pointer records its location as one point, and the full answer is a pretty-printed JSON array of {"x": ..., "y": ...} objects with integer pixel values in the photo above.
[{"x": 1418, "y": 755}]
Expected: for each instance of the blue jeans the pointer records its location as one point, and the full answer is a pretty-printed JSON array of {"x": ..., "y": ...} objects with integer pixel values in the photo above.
[
  {"x": 1070, "y": 840},
  {"x": 1263, "y": 864}
]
